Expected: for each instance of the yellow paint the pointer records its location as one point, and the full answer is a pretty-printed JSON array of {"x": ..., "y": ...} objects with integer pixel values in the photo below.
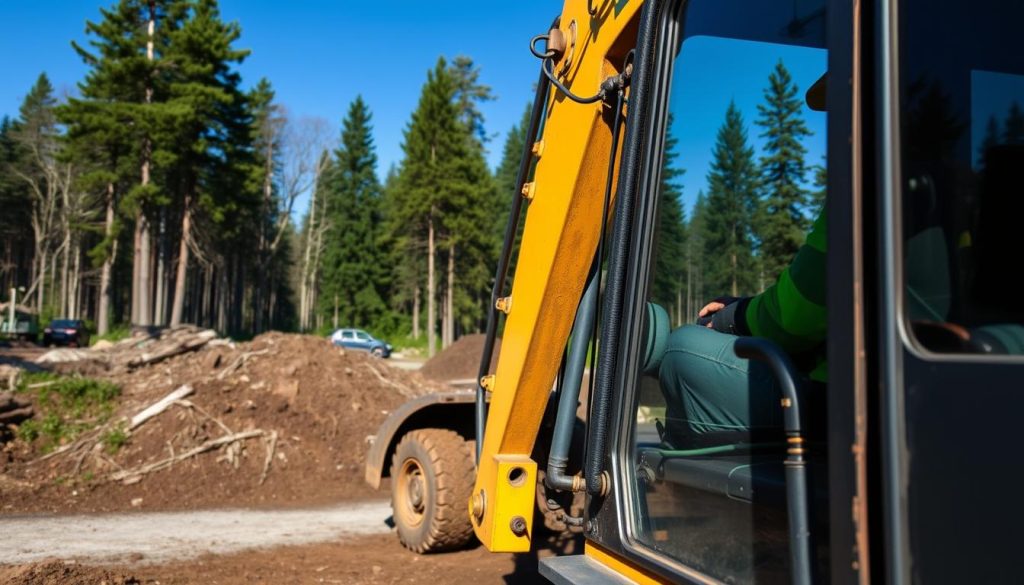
[
  {"x": 559, "y": 240},
  {"x": 621, "y": 566}
]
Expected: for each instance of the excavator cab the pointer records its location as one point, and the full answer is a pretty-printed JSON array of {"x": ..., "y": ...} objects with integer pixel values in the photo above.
[{"x": 891, "y": 451}]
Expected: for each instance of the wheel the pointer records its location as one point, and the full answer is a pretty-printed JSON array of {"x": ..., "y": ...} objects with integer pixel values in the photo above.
[
  {"x": 378, "y": 352},
  {"x": 432, "y": 475}
]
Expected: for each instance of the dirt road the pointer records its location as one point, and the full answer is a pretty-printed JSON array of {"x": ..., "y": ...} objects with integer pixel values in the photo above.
[
  {"x": 174, "y": 536},
  {"x": 348, "y": 543}
]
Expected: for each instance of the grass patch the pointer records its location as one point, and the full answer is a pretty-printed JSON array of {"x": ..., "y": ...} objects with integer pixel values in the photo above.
[
  {"x": 115, "y": 334},
  {"x": 66, "y": 407}
]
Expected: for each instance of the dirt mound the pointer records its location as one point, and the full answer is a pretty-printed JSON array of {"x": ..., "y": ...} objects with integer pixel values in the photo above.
[
  {"x": 461, "y": 360},
  {"x": 283, "y": 419},
  {"x": 60, "y": 573}
]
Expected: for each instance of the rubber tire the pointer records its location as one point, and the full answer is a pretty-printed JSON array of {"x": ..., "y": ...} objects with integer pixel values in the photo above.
[
  {"x": 449, "y": 471},
  {"x": 378, "y": 353}
]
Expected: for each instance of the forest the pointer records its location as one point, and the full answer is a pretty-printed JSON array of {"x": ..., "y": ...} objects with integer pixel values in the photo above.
[{"x": 161, "y": 192}]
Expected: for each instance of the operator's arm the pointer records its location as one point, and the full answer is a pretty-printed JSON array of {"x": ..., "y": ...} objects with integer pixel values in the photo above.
[{"x": 790, "y": 312}]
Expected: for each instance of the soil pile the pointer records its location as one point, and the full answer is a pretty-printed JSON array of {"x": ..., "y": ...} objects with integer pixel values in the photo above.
[
  {"x": 60, "y": 573},
  {"x": 283, "y": 419},
  {"x": 460, "y": 360}
]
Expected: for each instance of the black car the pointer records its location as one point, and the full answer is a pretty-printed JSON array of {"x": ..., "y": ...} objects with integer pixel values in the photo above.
[{"x": 66, "y": 332}]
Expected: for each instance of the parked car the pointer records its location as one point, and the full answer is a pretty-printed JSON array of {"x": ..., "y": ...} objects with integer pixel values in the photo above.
[
  {"x": 361, "y": 340},
  {"x": 66, "y": 332}
]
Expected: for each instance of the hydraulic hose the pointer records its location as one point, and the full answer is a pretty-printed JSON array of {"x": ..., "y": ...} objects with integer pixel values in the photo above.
[
  {"x": 611, "y": 308},
  {"x": 572, "y": 380}
]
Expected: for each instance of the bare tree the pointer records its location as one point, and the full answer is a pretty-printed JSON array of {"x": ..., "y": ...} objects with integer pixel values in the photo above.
[{"x": 302, "y": 144}]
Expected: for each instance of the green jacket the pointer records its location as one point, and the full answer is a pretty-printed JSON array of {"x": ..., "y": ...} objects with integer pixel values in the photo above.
[{"x": 792, "y": 312}]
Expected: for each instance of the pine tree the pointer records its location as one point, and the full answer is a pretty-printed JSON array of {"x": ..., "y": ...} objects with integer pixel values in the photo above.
[
  {"x": 731, "y": 267},
  {"x": 109, "y": 122},
  {"x": 784, "y": 221},
  {"x": 468, "y": 93},
  {"x": 210, "y": 137},
  {"x": 670, "y": 256},
  {"x": 352, "y": 269}
]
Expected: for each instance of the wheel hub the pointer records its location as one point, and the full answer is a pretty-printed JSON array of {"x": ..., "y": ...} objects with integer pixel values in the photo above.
[{"x": 412, "y": 487}]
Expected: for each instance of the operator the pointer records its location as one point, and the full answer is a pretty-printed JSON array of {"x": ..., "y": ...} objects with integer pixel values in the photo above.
[{"x": 714, "y": 397}]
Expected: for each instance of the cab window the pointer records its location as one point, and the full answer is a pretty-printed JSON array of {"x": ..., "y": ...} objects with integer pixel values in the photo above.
[
  {"x": 961, "y": 126},
  {"x": 741, "y": 186}
]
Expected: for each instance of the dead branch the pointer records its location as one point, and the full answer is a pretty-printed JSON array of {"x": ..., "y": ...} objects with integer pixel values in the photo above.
[
  {"x": 199, "y": 409},
  {"x": 271, "y": 443},
  {"x": 188, "y": 343},
  {"x": 240, "y": 361},
  {"x": 408, "y": 393},
  {"x": 129, "y": 474},
  {"x": 160, "y": 406}
]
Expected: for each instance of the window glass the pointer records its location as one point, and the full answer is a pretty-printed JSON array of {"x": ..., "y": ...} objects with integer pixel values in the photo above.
[
  {"x": 961, "y": 117},
  {"x": 362, "y": 336},
  {"x": 742, "y": 183},
  {"x": 347, "y": 335}
]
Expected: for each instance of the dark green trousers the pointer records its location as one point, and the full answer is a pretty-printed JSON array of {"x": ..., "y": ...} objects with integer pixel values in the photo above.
[{"x": 714, "y": 397}]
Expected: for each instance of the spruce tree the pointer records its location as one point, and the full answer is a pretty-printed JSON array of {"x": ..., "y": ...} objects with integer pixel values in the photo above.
[
  {"x": 784, "y": 222},
  {"x": 670, "y": 254},
  {"x": 352, "y": 269},
  {"x": 434, "y": 147},
  {"x": 732, "y": 203}
]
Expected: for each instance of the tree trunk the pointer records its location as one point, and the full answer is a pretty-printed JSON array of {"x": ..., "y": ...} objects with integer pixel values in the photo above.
[
  {"x": 141, "y": 276},
  {"x": 179, "y": 282},
  {"x": 160, "y": 307},
  {"x": 416, "y": 312},
  {"x": 106, "y": 291},
  {"x": 431, "y": 289},
  {"x": 450, "y": 298},
  {"x": 65, "y": 265}
]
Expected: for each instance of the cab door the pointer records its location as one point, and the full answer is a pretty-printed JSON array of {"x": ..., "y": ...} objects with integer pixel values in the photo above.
[{"x": 951, "y": 322}]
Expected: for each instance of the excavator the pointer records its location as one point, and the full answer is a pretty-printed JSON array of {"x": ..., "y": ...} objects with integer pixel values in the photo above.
[{"x": 898, "y": 460}]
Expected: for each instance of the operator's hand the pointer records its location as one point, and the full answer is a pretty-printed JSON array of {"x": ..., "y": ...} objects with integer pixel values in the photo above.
[{"x": 704, "y": 317}]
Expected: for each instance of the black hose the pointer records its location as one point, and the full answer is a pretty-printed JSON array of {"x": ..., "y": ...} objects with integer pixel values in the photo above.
[
  {"x": 498, "y": 290},
  {"x": 611, "y": 309},
  {"x": 600, "y": 412}
]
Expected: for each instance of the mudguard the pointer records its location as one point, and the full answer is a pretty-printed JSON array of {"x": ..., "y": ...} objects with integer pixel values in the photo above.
[{"x": 449, "y": 410}]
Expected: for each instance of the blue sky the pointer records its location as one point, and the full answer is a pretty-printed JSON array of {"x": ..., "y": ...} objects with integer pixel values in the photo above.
[
  {"x": 712, "y": 71},
  {"x": 319, "y": 54}
]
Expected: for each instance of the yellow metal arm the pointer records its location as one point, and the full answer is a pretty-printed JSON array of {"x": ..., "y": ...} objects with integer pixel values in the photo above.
[{"x": 559, "y": 241}]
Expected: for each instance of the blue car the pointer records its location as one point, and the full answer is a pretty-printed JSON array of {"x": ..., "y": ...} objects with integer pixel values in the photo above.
[{"x": 361, "y": 340}]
